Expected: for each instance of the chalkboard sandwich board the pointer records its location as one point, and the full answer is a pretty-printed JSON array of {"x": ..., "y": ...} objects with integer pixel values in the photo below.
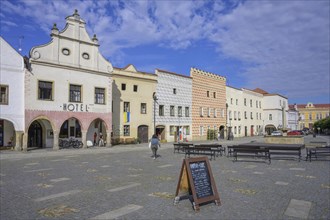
[{"x": 196, "y": 179}]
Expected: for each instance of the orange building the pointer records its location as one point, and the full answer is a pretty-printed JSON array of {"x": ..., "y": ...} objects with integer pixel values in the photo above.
[{"x": 208, "y": 103}]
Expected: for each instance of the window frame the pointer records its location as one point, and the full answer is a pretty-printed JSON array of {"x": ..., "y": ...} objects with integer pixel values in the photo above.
[
  {"x": 51, "y": 90},
  {"x": 161, "y": 110},
  {"x": 97, "y": 98},
  {"x": 143, "y": 109},
  {"x": 6, "y": 94},
  {"x": 71, "y": 95}
]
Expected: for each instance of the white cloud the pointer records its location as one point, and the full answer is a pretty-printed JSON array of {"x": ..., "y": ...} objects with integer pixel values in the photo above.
[{"x": 281, "y": 43}]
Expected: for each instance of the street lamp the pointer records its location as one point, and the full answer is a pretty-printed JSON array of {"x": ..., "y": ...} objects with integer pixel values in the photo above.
[{"x": 154, "y": 97}]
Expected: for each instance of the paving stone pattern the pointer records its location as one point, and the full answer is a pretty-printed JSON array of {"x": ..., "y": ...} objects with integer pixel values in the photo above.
[{"x": 124, "y": 182}]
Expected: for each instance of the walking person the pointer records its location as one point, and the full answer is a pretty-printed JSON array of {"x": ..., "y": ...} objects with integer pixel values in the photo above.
[
  {"x": 95, "y": 136},
  {"x": 154, "y": 145},
  {"x": 101, "y": 142}
]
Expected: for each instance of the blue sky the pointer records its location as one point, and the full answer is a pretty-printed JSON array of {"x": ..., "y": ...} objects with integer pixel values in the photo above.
[{"x": 280, "y": 46}]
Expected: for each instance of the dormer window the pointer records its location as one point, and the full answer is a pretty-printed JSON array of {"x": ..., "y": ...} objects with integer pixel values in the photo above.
[
  {"x": 66, "y": 51},
  {"x": 85, "y": 56}
]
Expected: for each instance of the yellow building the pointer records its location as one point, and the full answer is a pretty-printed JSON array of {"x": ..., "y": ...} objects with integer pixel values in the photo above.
[
  {"x": 310, "y": 113},
  {"x": 132, "y": 96}
]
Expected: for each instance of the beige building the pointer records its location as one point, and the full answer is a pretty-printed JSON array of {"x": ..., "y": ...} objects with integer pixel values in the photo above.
[
  {"x": 208, "y": 103},
  {"x": 310, "y": 113},
  {"x": 132, "y": 105},
  {"x": 244, "y": 112}
]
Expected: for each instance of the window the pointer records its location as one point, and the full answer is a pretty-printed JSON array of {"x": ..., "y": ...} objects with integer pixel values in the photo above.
[
  {"x": 161, "y": 110},
  {"x": 174, "y": 91},
  {"x": 235, "y": 115},
  {"x": 75, "y": 93},
  {"x": 66, "y": 51},
  {"x": 45, "y": 90},
  {"x": 236, "y": 101},
  {"x": 229, "y": 115},
  {"x": 245, "y": 115},
  {"x": 172, "y": 110},
  {"x": 231, "y": 101},
  {"x": 85, "y": 56},
  {"x": 201, "y": 131},
  {"x": 260, "y": 116},
  {"x": 235, "y": 130},
  {"x": 256, "y": 104},
  {"x": 207, "y": 93},
  {"x": 123, "y": 86},
  {"x": 143, "y": 108},
  {"x": 99, "y": 96},
  {"x": 179, "y": 111},
  {"x": 239, "y": 116},
  {"x": 310, "y": 116},
  {"x": 270, "y": 117},
  {"x": 201, "y": 111},
  {"x": 259, "y": 104},
  {"x": 3, "y": 95},
  {"x": 215, "y": 112},
  {"x": 135, "y": 88},
  {"x": 214, "y": 94},
  {"x": 244, "y": 101},
  {"x": 186, "y": 111},
  {"x": 251, "y": 115},
  {"x": 208, "y": 112},
  {"x": 126, "y": 107},
  {"x": 239, "y": 129},
  {"x": 250, "y": 102},
  {"x": 126, "y": 130}
]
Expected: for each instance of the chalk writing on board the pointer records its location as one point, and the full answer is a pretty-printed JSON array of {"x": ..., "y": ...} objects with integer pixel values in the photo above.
[{"x": 201, "y": 179}]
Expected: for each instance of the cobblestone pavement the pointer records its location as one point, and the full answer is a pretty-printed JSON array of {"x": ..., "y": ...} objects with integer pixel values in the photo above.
[{"x": 124, "y": 182}]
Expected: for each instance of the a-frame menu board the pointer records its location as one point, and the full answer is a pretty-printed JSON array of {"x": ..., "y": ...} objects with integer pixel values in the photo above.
[{"x": 196, "y": 178}]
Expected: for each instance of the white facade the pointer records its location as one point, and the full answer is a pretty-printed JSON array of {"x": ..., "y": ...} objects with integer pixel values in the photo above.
[
  {"x": 69, "y": 89},
  {"x": 12, "y": 96},
  {"x": 275, "y": 108},
  {"x": 244, "y": 112},
  {"x": 174, "y": 92},
  {"x": 293, "y": 117}
]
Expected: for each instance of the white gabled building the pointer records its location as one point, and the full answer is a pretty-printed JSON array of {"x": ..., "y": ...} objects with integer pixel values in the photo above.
[
  {"x": 11, "y": 96},
  {"x": 244, "y": 112},
  {"x": 275, "y": 109},
  {"x": 173, "y": 107},
  {"x": 69, "y": 89}
]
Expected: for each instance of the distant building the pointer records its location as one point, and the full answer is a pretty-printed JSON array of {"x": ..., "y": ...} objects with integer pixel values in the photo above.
[
  {"x": 12, "y": 121},
  {"x": 310, "y": 113},
  {"x": 69, "y": 89},
  {"x": 132, "y": 105},
  {"x": 244, "y": 112},
  {"x": 293, "y": 116},
  {"x": 275, "y": 107},
  {"x": 173, "y": 108},
  {"x": 208, "y": 104}
]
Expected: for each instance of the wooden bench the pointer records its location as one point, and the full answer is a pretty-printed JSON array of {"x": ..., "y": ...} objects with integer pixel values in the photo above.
[
  {"x": 179, "y": 147},
  {"x": 317, "y": 152},
  {"x": 252, "y": 152},
  {"x": 214, "y": 147},
  {"x": 282, "y": 151},
  {"x": 207, "y": 151}
]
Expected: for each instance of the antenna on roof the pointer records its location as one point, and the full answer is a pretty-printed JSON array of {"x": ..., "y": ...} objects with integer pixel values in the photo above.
[{"x": 20, "y": 39}]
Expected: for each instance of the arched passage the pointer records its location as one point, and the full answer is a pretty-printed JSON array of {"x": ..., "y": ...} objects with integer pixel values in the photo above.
[
  {"x": 70, "y": 128},
  {"x": 40, "y": 134},
  {"x": 95, "y": 129},
  {"x": 7, "y": 133},
  {"x": 269, "y": 129}
]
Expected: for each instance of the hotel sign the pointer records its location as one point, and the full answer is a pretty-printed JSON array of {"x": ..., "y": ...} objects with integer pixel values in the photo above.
[{"x": 75, "y": 107}]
